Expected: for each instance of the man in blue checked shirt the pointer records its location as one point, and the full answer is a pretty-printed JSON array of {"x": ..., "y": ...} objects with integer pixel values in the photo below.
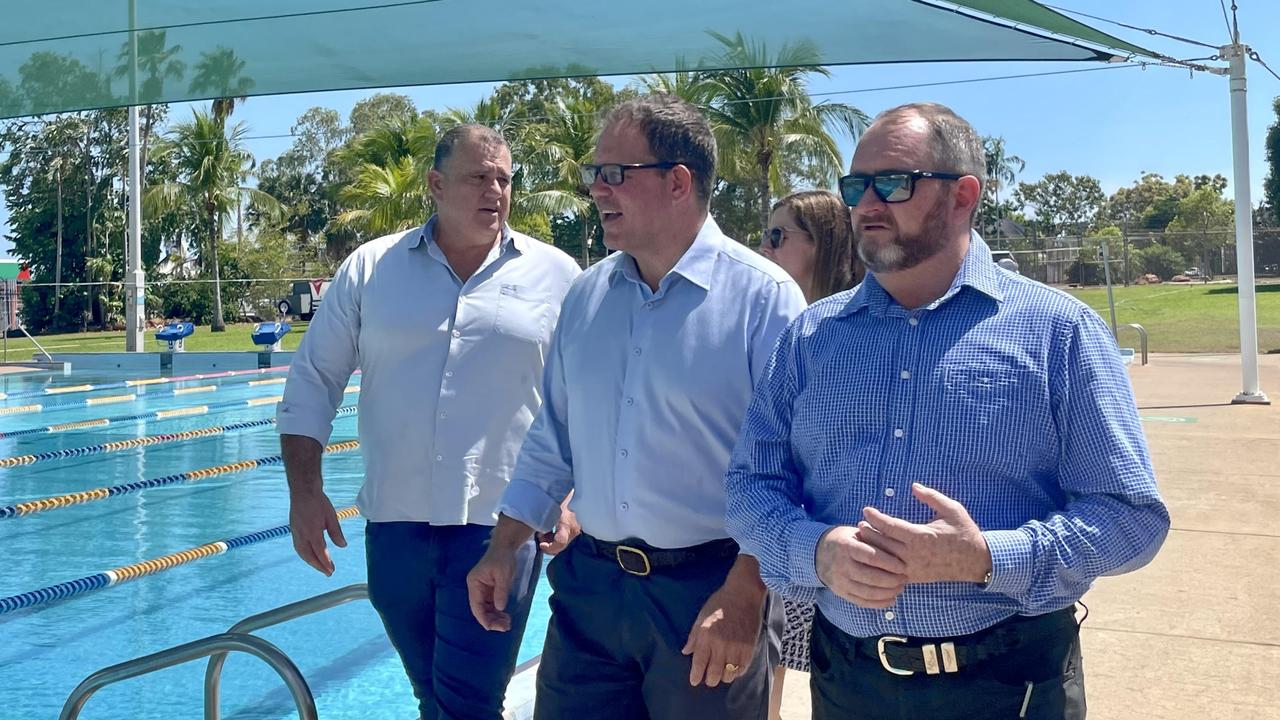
[{"x": 946, "y": 457}]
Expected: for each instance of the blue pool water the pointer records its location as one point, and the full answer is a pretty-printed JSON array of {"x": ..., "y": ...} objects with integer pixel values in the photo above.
[{"x": 46, "y": 651}]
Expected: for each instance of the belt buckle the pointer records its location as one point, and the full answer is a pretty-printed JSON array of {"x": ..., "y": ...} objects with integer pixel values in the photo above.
[
  {"x": 884, "y": 660},
  {"x": 630, "y": 551}
]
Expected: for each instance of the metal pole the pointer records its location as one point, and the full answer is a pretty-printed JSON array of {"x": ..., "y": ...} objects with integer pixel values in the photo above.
[
  {"x": 1251, "y": 391},
  {"x": 1106, "y": 271},
  {"x": 135, "y": 278}
]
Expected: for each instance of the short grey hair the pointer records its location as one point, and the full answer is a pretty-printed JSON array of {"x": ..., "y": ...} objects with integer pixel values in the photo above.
[
  {"x": 485, "y": 136},
  {"x": 677, "y": 132},
  {"x": 955, "y": 146}
]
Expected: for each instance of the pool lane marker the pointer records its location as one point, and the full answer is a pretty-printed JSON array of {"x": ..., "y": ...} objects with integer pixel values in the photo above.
[
  {"x": 120, "y": 575},
  {"x": 55, "y": 502},
  {"x": 176, "y": 392},
  {"x": 138, "y": 383},
  {"x": 152, "y": 415},
  {"x": 118, "y": 445}
]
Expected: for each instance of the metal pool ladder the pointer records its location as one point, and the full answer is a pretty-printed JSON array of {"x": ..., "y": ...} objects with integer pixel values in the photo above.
[{"x": 216, "y": 647}]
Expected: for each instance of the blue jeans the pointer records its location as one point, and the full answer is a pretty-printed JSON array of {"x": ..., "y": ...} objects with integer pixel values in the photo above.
[{"x": 418, "y": 585}]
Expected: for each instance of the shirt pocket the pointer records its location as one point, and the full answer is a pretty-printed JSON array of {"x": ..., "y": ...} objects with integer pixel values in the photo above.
[
  {"x": 988, "y": 413},
  {"x": 523, "y": 313}
]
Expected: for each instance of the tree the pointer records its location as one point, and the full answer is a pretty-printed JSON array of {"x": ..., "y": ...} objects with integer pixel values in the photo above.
[
  {"x": 762, "y": 112},
  {"x": 1203, "y": 224},
  {"x": 221, "y": 73},
  {"x": 1062, "y": 202},
  {"x": 1002, "y": 171},
  {"x": 1271, "y": 186},
  {"x": 380, "y": 109},
  {"x": 212, "y": 165}
]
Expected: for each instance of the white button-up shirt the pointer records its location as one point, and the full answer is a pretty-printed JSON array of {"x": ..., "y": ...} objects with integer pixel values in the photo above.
[
  {"x": 450, "y": 370},
  {"x": 646, "y": 392}
]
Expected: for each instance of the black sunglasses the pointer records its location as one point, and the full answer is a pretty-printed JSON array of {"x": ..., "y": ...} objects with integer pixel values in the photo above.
[
  {"x": 775, "y": 236},
  {"x": 892, "y": 187},
  {"x": 616, "y": 173}
]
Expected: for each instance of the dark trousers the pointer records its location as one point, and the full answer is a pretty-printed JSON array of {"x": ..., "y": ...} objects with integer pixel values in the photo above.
[
  {"x": 417, "y": 583},
  {"x": 614, "y": 641},
  {"x": 1035, "y": 674}
]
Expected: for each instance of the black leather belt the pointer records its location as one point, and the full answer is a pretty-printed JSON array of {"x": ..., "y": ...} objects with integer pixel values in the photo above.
[
  {"x": 640, "y": 558},
  {"x": 933, "y": 656}
]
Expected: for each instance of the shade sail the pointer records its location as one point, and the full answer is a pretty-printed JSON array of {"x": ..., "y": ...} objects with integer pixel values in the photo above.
[{"x": 60, "y": 55}]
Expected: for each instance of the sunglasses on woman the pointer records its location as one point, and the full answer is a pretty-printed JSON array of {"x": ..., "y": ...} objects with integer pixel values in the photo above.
[
  {"x": 893, "y": 186},
  {"x": 775, "y": 236}
]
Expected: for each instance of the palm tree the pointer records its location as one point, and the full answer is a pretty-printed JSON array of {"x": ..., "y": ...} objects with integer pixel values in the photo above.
[
  {"x": 220, "y": 72},
  {"x": 212, "y": 164},
  {"x": 385, "y": 199},
  {"x": 761, "y": 113},
  {"x": 551, "y": 183},
  {"x": 1002, "y": 168},
  {"x": 388, "y": 165},
  {"x": 157, "y": 61}
]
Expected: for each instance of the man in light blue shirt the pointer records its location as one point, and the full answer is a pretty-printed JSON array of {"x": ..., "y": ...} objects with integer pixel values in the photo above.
[
  {"x": 655, "y": 614},
  {"x": 946, "y": 456},
  {"x": 449, "y": 324}
]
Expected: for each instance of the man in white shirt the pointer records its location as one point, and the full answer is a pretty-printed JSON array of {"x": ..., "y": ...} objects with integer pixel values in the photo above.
[{"x": 449, "y": 323}]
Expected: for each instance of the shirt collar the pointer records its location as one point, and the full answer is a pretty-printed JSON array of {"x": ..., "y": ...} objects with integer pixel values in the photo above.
[
  {"x": 696, "y": 265},
  {"x": 976, "y": 271}
]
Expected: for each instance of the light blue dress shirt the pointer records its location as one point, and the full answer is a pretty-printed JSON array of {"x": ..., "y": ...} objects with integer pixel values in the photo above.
[
  {"x": 1005, "y": 395},
  {"x": 450, "y": 370},
  {"x": 646, "y": 391}
]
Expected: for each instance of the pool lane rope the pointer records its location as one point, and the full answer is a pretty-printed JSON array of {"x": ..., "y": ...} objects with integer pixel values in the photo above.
[
  {"x": 117, "y": 576},
  {"x": 151, "y": 415},
  {"x": 111, "y": 399},
  {"x": 69, "y": 389},
  {"x": 118, "y": 445},
  {"x": 31, "y": 507}
]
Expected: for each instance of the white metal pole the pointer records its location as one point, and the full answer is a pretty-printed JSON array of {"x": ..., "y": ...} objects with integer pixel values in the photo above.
[
  {"x": 135, "y": 278},
  {"x": 1251, "y": 392}
]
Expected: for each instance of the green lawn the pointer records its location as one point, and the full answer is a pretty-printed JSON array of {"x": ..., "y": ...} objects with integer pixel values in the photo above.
[
  {"x": 237, "y": 337},
  {"x": 1178, "y": 318},
  {"x": 1189, "y": 318}
]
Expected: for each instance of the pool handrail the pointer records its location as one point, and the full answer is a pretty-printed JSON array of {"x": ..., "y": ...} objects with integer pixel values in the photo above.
[
  {"x": 284, "y": 613},
  {"x": 214, "y": 645}
]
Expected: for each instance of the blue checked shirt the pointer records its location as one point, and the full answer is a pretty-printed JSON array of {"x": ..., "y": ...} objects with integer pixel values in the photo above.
[{"x": 1006, "y": 395}]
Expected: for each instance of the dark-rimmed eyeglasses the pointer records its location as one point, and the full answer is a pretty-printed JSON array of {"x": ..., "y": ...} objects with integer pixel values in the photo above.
[
  {"x": 616, "y": 173},
  {"x": 775, "y": 236},
  {"x": 892, "y": 186}
]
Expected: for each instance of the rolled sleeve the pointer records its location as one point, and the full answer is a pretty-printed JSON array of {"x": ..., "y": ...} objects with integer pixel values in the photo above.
[{"x": 325, "y": 360}]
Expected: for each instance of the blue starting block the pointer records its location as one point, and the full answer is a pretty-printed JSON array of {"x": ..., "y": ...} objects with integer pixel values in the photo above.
[
  {"x": 173, "y": 333},
  {"x": 267, "y": 335}
]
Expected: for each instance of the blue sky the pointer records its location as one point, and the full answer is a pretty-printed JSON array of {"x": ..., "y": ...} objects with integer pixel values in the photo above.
[{"x": 1113, "y": 124}]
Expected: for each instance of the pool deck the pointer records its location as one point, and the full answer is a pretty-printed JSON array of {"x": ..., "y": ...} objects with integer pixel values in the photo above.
[{"x": 1195, "y": 634}]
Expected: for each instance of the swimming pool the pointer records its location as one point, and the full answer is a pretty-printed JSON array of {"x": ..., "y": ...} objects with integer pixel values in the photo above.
[{"x": 47, "y": 650}]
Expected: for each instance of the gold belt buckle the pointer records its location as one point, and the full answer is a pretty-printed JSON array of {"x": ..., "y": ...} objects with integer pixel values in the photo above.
[
  {"x": 635, "y": 551},
  {"x": 884, "y": 660}
]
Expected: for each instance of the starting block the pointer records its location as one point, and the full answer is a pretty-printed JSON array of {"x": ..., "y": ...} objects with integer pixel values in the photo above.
[
  {"x": 267, "y": 335},
  {"x": 174, "y": 333}
]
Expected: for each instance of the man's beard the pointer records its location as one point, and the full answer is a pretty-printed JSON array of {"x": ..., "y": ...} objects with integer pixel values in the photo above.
[{"x": 903, "y": 252}]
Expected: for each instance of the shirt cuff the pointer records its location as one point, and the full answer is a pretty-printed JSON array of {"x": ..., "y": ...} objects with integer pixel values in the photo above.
[
  {"x": 531, "y": 505},
  {"x": 802, "y": 553},
  {"x": 292, "y": 421},
  {"x": 1012, "y": 553}
]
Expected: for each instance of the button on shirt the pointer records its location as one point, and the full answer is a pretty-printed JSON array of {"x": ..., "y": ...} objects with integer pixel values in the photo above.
[
  {"x": 1005, "y": 395},
  {"x": 646, "y": 392},
  {"x": 451, "y": 371}
]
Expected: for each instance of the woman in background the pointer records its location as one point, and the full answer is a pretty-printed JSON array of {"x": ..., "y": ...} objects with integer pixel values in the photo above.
[{"x": 810, "y": 236}]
